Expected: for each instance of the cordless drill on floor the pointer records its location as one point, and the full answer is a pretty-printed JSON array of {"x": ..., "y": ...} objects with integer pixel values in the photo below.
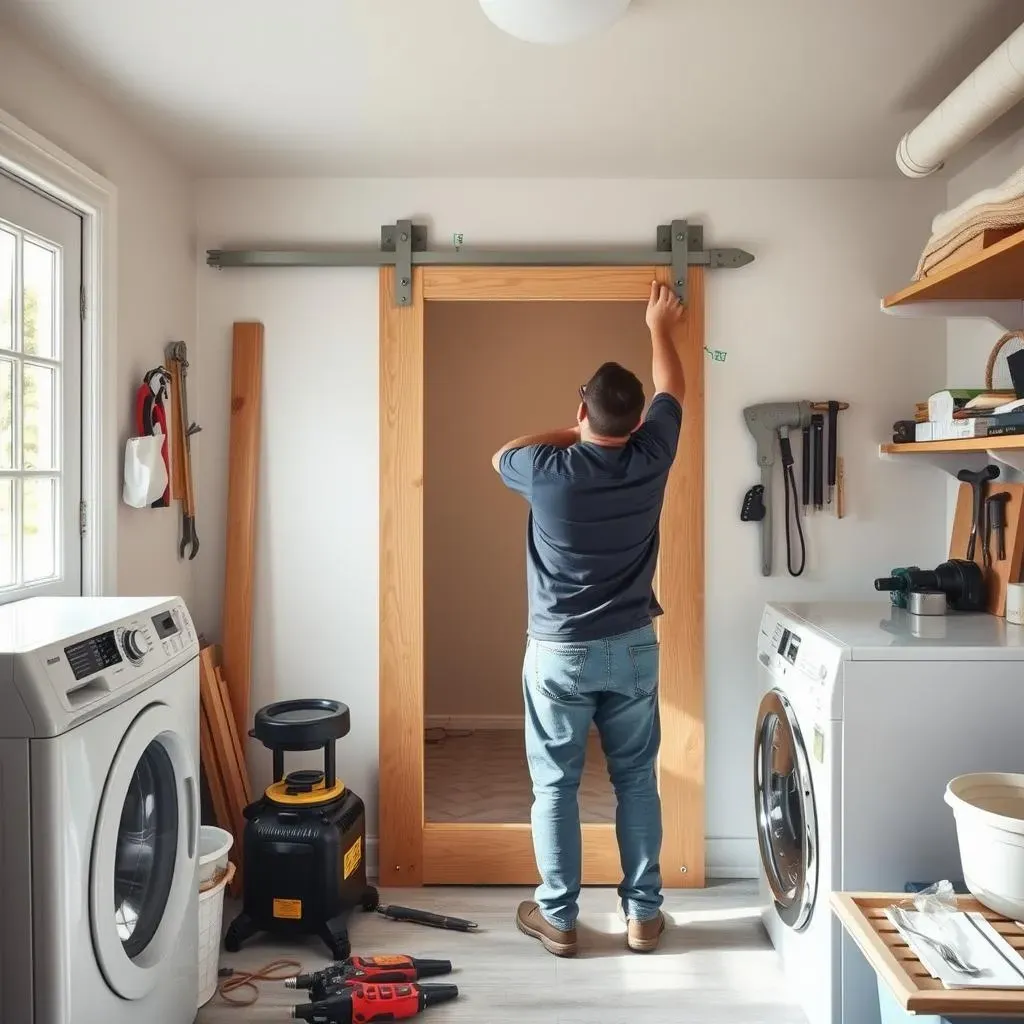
[
  {"x": 365, "y": 1003},
  {"x": 368, "y": 970}
]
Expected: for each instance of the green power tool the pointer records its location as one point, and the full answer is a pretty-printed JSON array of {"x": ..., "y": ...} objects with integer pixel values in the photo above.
[{"x": 906, "y": 573}]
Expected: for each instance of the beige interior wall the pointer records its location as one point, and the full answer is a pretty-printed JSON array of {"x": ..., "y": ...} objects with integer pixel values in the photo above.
[{"x": 495, "y": 371}]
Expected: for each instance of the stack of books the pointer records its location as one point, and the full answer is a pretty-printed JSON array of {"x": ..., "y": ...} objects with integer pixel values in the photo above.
[{"x": 970, "y": 412}]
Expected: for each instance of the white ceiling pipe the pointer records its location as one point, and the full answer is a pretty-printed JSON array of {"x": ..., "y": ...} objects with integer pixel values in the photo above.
[{"x": 985, "y": 95}]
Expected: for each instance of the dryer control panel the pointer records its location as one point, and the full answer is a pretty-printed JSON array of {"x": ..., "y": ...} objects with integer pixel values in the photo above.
[{"x": 61, "y": 674}]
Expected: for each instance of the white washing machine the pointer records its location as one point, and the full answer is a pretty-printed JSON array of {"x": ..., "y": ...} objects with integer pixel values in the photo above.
[
  {"x": 867, "y": 713},
  {"x": 99, "y": 800}
]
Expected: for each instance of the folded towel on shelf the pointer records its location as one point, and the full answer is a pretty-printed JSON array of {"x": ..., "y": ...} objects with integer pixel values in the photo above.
[{"x": 992, "y": 209}]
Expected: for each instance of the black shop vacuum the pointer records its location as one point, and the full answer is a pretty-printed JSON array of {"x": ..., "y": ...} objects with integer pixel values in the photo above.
[{"x": 304, "y": 846}]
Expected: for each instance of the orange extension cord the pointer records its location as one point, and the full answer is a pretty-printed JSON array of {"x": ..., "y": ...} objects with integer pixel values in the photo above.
[{"x": 232, "y": 980}]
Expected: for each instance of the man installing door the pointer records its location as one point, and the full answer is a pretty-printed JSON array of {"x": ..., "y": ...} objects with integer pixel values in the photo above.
[{"x": 595, "y": 492}]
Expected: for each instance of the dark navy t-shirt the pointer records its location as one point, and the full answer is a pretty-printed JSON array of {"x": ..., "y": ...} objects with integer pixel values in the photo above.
[{"x": 592, "y": 540}]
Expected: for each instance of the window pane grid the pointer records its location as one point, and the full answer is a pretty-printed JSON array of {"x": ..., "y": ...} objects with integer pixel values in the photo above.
[{"x": 31, "y": 459}]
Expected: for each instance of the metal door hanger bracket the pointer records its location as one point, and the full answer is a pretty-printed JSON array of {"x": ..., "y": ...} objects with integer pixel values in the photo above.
[{"x": 404, "y": 245}]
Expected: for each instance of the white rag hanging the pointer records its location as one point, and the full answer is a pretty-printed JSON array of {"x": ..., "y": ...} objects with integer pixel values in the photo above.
[{"x": 145, "y": 475}]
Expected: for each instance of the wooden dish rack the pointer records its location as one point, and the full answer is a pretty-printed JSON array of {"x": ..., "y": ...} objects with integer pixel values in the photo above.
[{"x": 863, "y": 917}]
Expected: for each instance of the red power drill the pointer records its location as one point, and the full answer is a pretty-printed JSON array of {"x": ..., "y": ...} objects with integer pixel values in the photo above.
[
  {"x": 368, "y": 970},
  {"x": 365, "y": 1003}
]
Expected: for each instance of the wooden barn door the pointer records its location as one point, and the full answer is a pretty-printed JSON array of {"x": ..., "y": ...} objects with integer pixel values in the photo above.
[{"x": 413, "y": 851}]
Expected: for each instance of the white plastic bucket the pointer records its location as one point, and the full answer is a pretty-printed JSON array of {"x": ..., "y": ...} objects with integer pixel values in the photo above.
[
  {"x": 211, "y": 919},
  {"x": 989, "y": 813},
  {"x": 214, "y": 846}
]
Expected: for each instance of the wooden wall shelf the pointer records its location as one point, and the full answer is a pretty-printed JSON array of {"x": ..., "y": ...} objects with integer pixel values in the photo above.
[
  {"x": 964, "y": 444},
  {"x": 987, "y": 285},
  {"x": 994, "y": 273}
]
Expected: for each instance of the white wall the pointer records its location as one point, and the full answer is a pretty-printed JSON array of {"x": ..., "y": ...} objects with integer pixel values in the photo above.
[
  {"x": 801, "y": 322},
  {"x": 156, "y": 271}
]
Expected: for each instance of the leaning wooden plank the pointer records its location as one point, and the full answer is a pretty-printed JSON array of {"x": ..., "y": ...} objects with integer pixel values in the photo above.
[
  {"x": 236, "y": 746},
  {"x": 227, "y": 765},
  {"x": 243, "y": 474},
  {"x": 221, "y": 734},
  {"x": 214, "y": 782}
]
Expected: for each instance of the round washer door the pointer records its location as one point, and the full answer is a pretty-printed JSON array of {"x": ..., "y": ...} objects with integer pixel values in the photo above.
[
  {"x": 143, "y": 856},
  {"x": 787, "y": 826}
]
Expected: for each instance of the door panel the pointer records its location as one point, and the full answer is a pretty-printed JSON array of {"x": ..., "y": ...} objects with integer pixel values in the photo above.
[
  {"x": 40, "y": 394},
  {"x": 413, "y": 852}
]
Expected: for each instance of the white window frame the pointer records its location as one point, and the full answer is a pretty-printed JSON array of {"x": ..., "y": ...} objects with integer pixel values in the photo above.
[{"x": 25, "y": 154}]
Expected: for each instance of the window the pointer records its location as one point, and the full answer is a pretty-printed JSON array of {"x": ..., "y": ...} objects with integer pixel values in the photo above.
[{"x": 40, "y": 394}]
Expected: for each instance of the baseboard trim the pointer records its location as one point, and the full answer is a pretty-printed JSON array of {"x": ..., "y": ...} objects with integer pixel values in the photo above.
[
  {"x": 725, "y": 857},
  {"x": 475, "y": 723}
]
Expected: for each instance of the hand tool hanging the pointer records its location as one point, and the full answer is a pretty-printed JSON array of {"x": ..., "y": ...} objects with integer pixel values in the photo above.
[
  {"x": 996, "y": 520},
  {"x": 151, "y": 419},
  {"x": 817, "y": 438},
  {"x": 978, "y": 480},
  {"x": 184, "y": 428},
  {"x": 765, "y": 422},
  {"x": 805, "y": 468}
]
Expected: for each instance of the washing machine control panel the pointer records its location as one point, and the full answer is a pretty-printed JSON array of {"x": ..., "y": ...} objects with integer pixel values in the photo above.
[
  {"x": 95, "y": 665},
  {"x": 790, "y": 652}
]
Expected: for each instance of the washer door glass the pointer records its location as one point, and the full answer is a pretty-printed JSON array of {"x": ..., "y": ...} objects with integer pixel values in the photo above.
[
  {"x": 143, "y": 875},
  {"x": 147, "y": 849},
  {"x": 786, "y": 821}
]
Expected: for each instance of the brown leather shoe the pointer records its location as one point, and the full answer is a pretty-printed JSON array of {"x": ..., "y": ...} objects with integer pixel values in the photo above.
[
  {"x": 644, "y": 936},
  {"x": 530, "y": 921}
]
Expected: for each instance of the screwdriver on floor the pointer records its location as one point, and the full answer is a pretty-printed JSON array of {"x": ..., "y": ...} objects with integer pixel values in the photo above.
[{"x": 364, "y": 1004}]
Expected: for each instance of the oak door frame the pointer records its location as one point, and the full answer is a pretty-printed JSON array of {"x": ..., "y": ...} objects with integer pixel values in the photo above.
[{"x": 413, "y": 851}]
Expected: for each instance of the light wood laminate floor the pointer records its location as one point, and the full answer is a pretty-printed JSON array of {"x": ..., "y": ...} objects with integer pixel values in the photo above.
[
  {"x": 715, "y": 965},
  {"x": 483, "y": 777}
]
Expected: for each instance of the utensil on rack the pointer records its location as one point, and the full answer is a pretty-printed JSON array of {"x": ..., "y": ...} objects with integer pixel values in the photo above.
[{"x": 947, "y": 952}]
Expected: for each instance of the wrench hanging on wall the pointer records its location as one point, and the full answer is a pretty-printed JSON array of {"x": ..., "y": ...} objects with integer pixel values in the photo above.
[{"x": 184, "y": 428}]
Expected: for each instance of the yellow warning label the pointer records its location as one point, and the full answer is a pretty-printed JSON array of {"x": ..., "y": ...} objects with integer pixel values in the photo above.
[
  {"x": 353, "y": 855},
  {"x": 289, "y": 910},
  {"x": 389, "y": 961}
]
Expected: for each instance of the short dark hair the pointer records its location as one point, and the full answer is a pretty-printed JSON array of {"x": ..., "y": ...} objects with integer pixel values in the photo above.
[{"x": 614, "y": 398}]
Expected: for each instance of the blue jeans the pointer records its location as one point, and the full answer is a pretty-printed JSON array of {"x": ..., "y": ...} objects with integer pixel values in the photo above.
[{"x": 614, "y": 684}]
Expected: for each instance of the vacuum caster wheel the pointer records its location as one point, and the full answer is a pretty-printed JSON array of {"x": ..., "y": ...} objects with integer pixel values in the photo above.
[
  {"x": 239, "y": 930},
  {"x": 371, "y": 899}
]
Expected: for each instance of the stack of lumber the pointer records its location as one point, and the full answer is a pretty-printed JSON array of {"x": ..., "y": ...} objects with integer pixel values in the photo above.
[{"x": 221, "y": 751}]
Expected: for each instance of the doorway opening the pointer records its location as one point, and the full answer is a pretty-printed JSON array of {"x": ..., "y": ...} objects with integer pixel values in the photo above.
[{"x": 494, "y": 371}]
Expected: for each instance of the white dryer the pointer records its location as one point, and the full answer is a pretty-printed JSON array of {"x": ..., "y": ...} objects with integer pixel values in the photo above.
[
  {"x": 99, "y": 799},
  {"x": 867, "y": 713}
]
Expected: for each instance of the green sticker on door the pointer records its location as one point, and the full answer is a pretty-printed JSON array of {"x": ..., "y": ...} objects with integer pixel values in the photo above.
[{"x": 819, "y": 745}]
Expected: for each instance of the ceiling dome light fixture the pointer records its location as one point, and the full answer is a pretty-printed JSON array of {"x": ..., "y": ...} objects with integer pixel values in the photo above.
[{"x": 553, "y": 21}]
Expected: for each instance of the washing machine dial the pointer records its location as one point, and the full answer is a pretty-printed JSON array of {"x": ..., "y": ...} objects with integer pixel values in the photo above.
[{"x": 135, "y": 644}]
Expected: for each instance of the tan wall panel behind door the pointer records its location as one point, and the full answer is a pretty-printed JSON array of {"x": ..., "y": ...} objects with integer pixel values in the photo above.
[{"x": 494, "y": 371}]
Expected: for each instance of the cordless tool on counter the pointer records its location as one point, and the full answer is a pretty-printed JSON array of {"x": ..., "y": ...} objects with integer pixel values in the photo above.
[
  {"x": 961, "y": 581},
  {"x": 365, "y": 1004}
]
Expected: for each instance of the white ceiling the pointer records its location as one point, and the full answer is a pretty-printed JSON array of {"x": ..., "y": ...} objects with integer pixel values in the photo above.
[{"x": 402, "y": 88}]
